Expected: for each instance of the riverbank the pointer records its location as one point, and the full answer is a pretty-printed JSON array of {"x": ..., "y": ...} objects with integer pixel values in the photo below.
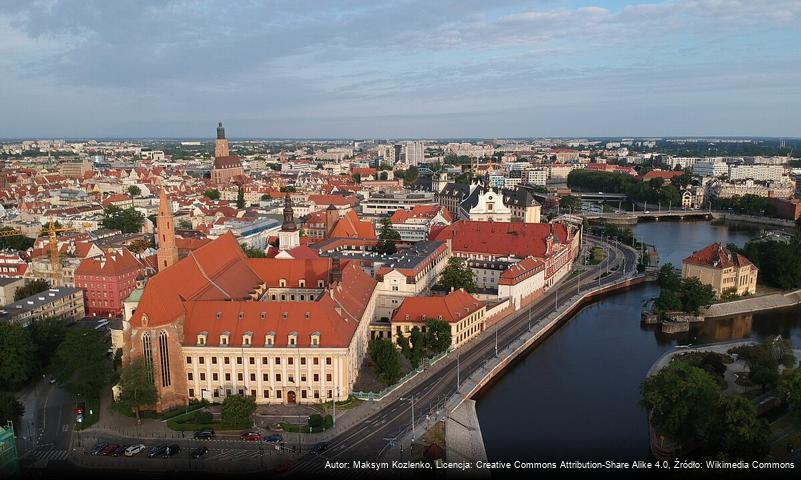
[{"x": 754, "y": 304}]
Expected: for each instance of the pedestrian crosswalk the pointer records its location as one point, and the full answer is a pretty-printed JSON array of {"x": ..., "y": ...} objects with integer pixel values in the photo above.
[{"x": 44, "y": 456}]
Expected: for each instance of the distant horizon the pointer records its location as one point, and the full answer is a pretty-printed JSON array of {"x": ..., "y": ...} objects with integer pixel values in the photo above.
[{"x": 434, "y": 139}]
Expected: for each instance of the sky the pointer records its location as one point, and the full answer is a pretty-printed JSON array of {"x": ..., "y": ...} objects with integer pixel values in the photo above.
[{"x": 399, "y": 69}]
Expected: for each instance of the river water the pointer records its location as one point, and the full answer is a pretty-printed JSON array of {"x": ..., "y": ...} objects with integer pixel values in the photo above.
[{"x": 575, "y": 396}]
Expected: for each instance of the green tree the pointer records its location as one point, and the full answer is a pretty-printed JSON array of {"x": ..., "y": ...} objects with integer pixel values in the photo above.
[
  {"x": 387, "y": 238},
  {"x": 185, "y": 224},
  {"x": 418, "y": 346},
  {"x": 47, "y": 334},
  {"x": 790, "y": 387},
  {"x": 134, "y": 191},
  {"x": 571, "y": 203},
  {"x": 252, "y": 252},
  {"x": 17, "y": 355},
  {"x": 695, "y": 295},
  {"x": 240, "y": 198},
  {"x": 403, "y": 343},
  {"x": 438, "y": 333},
  {"x": 383, "y": 176},
  {"x": 385, "y": 357},
  {"x": 10, "y": 409},
  {"x": 288, "y": 188},
  {"x": 357, "y": 177},
  {"x": 411, "y": 175},
  {"x": 212, "y": 194},
  {"x": 457, "y": 274},
  {"x": 81, "y": 362},
  {"x": 127, "y": 220},
  {"x": 681, "y": 399},
  {"x": 31, "y": 288},
  {"x": 237, "y": 409},
  {"x": 736, "y": 431},
  {"x": 15, "y": 242},
  {"x": 137, "y": 389}
]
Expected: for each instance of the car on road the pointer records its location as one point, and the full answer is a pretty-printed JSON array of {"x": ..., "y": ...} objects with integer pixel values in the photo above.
[
  {"x": 274, "y": 438},
  {"x": 110, "y": 448},
  {"x": 199, "y": 452},
  {"x": 98, "y": 448},
  {"x": 119, "y": 450},
  {"x": 319, "y": 448},
  {"x": 156, "y": 451},
  {"x": 171, "y": 450},
  {"x": 205, "y": 433},
  {"x": 250, "y": 436},
  {"x": 134, "y": 450}
]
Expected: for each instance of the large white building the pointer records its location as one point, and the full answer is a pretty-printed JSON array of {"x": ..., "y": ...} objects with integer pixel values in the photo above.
[
  {"x": 415, "y": 153},
  {"x": 764, "y": 173},
  {"x": 710, "y": 168}
]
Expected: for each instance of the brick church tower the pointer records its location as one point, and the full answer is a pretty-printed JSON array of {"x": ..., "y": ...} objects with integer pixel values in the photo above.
[
  {"x": 165, "y": 225},
  {"x": 221, "y": 144}
]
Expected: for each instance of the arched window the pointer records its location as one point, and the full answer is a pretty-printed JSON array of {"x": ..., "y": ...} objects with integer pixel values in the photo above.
[
  {"x": 148, "y": 353},
  {"x": 165, "y": 359}
]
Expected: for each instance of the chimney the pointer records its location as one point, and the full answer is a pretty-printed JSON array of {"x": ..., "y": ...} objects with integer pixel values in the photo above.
[{"x": 336, "y": 270}]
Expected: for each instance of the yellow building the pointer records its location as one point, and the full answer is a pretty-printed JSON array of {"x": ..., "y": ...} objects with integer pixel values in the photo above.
[{"x": 724, "y": 270}]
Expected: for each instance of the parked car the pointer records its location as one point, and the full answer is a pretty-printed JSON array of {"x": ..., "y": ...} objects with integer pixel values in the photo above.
[
  {"x": 134, "y": 450},
  {"x": 98, "y": 448},
  {"x": 109, "y": 449},
  {"x": 319, "y": 448},
  {"x": 205, "y": 433},
  {"x": 274, "y": 438},
  {"x": 171, "y": 450},
  {"x": 199, "y": 452},
  {"x": 119, "y": 450},
  {"x": 250, "y": 436},
  {"x": 156, "y": 451}
]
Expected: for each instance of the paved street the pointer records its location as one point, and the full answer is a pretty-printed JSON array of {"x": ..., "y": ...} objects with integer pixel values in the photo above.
[
  {"x": 47, "y": 424},
  {"x": 370, "y": 439}
]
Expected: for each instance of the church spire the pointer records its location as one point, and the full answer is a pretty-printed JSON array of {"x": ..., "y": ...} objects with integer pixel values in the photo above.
[
  {"x": 289, "y": 215},
  {"x": 165, "y": 230}
]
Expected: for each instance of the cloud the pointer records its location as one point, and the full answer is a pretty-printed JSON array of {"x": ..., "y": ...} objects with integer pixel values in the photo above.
[{"x": 175, "y": 65}]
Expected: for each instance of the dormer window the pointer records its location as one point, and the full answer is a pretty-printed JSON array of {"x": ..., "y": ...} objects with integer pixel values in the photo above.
[
  {"x": 224, "y": 338},
  {"x": 241, "y": 315},
  {"x": 201, "y": 338},
  {"x": 315, "y": 339},
  {"x": 247, "y": 339},
  {"x": 282, "y": 283},
  {"x": 302, "y": 283},
  {"x": 269, "y": 339},
  {"x": 263, "y": 315},
  {"x": 293, "y": 339},
  {"x": 219, "y": 315},
  {"x": 320, "y": 284}
]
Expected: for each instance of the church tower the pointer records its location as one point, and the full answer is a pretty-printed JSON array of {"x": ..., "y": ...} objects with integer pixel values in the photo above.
[
  {"x": 165, "y": 225},
  {"x": 289, "y": 236},
  {"x": 221, "y": 145}
]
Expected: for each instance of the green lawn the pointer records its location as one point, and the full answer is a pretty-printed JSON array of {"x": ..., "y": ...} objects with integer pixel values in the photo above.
[
  {"x": 91, "y": 415},
  {"x": 597, "y": 255}
]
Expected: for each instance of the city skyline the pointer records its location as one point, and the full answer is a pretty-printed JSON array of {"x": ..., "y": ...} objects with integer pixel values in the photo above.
[{"x": 401, "y": 70}]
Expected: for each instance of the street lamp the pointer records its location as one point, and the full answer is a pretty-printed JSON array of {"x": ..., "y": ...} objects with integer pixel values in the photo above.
[{"x": 412, "y": 399}]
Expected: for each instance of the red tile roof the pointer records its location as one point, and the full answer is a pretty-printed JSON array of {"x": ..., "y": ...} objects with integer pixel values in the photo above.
[
  {"x": 231, "y": 161},
  {"x": 351, "y": 226},
  {"x": 338, "y": 200},
  {"x": 717, "y": 256},
  {"x": 500, "y": 238},
  {"x": 113, "y": 262},
  {"x": 452, "y": 308},
  {"x": 272, "y": 270},
  {"x": 663, "y": 174},
  {"x": 420, "y": 211},
  {"x": 520, "y": 271}
]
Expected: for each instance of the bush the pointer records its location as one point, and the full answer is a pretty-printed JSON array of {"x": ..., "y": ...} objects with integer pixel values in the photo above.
[{"x": 315, "y": 420}]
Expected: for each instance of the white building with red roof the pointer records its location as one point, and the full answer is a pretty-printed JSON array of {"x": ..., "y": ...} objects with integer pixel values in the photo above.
[
  {"x": 721, "y": 268},
  {"x": 463, "y": 313}
]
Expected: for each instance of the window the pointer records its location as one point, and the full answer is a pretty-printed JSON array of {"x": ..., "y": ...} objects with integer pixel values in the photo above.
[
  {"x": 301, "y": 283},
  {"x": 290, "y": 361},
  {"x": 214, "y": 377},
  {"x": 202, "y": 377},
  {"x": 239, "y": 360},
  {"x": 328, "y": 360},
  {"x": 189, "y": 376},
  {"x": 227, "y": 360},
  {"x": 188, "y": 359},
  {"x": 252, "y": 361},
  {"x": 252, "y": 377},
  {"x": 278, "y": 393},
  {"x": 278, "y": 360},
  {"x": 265, "y": 377},
  {"x": 165, "y": 359},
  {"x": 148, "y": 353},
  {"x": 201, "y": 360},
  {"x": 316, "y": 377},
  {"x": 277, "y": 377},
  {"x": 303, "y": 394},
  {"x": 266, "y": 394},
  {"x": 228, "y": 378},
  {"x": 239, "y": 377},
  {"x": 320, "y": 284},
  {"x": 282, "y": 283},
  {"x": 327, "y": 377},
  {"x": 303, "y": 361},
  {"x": 303, "y": 378},
  {"x": 214, "y": 360},
  {"x": 191, "y": 392}
]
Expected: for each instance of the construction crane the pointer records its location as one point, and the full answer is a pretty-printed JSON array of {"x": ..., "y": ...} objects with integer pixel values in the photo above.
[{"x": 52, "y": 234}]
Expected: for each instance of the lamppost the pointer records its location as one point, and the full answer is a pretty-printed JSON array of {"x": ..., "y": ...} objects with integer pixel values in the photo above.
[{"x": 412, "y": 399}]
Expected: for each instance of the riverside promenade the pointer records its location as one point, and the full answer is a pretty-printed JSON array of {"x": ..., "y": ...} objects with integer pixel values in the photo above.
[{"x": 754, "y": 304}]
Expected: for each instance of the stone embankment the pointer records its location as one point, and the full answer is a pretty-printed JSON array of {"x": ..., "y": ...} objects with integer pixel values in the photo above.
[{"x": 754, "y": 304}]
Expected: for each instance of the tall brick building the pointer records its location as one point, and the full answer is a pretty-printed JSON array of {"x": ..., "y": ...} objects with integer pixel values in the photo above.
[
  {"x": 107, "y": 280},
  {"x": 226, "y": 166}
]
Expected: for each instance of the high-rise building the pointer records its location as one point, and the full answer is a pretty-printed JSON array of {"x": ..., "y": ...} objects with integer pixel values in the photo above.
[
  {"x": 415, "y": 153},
  {"x": 168, "y": 253}
]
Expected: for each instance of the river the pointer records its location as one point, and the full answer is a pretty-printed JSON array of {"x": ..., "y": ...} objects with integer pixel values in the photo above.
[{"x": 575, "y": 396}]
